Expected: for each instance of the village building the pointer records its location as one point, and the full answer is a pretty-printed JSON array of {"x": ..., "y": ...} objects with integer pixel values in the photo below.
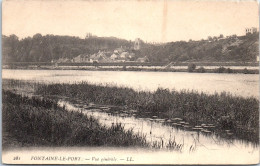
[
  {"x": 81, "y": 58},
  {"x": 137, "y": 44},
  {"x": 131, "y": 56},
  {"x": 119, "y": 50},
  {"x": 120, "y": 59},
  {"x": 99, "y": 57},
  {"x": 118, "y": 55},
  {"x": 90, "y": 35},
  {"x": 63, "y": 60},
  {"x": 114, "y": 56},
  {"x": 124, "y": 55},
  {"x": 251, "y": 30},
  {"x": 144, "y": 59},
  {"x": 94, "y": 58}
]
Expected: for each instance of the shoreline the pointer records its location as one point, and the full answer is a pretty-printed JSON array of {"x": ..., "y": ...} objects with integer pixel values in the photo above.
[
  {"x": 40, "y": 121},
  {"x": 227, "y": 113},
  {"x": 200, "y": 69}
]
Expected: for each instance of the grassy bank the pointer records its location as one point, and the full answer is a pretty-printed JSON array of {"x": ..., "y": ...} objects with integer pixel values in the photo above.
[
  {"x": 225, "y": 111},
  {"x": 40, "y": 122},
  {"x": 199, "y": 69}
]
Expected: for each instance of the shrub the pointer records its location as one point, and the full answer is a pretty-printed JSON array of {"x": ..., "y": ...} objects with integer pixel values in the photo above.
[
  {"x": 245, "y": 71},
  {"x": 201, "y": 70},
  {"x": 124, "y": 68},
  {"x": 221, "y": 69},
  {"x": 229, "y": 70},
  {"x": 191, "y": 67},
  {"x": 95, "y": 63}
]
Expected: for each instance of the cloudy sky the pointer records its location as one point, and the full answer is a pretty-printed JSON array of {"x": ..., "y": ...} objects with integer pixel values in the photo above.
[{"x": 152, "y": 21}]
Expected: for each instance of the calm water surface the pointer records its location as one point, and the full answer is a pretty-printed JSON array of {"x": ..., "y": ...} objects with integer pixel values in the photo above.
[
  {"x": 245, "y": 85},
  {"x": 157, "y": 131},
  {"x": 206, "y": 145}
]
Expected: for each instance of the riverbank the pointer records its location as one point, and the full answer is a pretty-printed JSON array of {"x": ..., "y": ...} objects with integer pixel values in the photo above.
[
  {"x": 198, "y": 69},
  {"x": 41, "y": 122},
  {"x": 223, "y": 114}
]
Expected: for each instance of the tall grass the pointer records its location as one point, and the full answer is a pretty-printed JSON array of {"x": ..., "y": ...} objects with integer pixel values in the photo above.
[
  {"x": 224, "y": 110},
  {"x": 40, "y": 122}
]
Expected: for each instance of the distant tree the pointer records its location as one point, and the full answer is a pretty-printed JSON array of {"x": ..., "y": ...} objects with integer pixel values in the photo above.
[
  {"x": 245, "y": 71},
  {"x": 37, "y": 36},
  {"x": 201, "y": 70},
  {"x": 57, "y": 51},
  {"x": 95, "y": 63},
  {"x": 13, "y": 37},
  {"x": 221, "y": 36},
  {"x": 183, "y": 57},
  {"x": 191, "y": 67},
  {"x": 210, "y": 38},
  {"x": 25, "y": 49},
  {"x": 13, "y": 44},
  {"x": 51, "y": 47},
  {"x": 221, "y": 69}
]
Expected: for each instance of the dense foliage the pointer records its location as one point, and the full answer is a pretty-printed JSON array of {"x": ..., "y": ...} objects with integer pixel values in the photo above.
[
  {"x": 233, "y": 49},
  {"x": 47, "y": 48}
]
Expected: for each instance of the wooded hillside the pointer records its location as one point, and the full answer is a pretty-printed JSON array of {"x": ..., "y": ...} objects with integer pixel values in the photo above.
[{"x": 47, "y": 48}]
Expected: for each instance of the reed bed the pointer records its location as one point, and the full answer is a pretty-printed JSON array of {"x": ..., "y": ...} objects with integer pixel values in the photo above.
[
  {"x": 40, "y": 122},
  {"x": 170, "y": 145},
  {"x": 225, "y": 111}
]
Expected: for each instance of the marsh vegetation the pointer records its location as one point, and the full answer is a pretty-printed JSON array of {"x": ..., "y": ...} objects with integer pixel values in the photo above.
[
  {"x": 41, "y": 122},
  {"x": 223, "y": 110},
  {"x": 226, "y": 115}
]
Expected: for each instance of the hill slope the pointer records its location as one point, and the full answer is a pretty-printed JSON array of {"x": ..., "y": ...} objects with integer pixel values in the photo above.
[
  {"x": 47, "y": 48},
  {"x": 232, "y": 49}
]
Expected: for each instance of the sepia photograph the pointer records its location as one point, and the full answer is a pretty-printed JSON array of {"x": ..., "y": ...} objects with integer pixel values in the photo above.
[{"x": 130, "y": 82}]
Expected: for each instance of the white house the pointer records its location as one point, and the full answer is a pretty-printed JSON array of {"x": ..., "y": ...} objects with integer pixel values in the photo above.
[
  {"x": 124, "y": 55},
  {"x": 114, "y": 56},
  {"x": 251, "y": 30}
]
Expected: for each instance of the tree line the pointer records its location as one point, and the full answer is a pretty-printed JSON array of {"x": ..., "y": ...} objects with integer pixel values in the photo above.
[
  {"x": 47, "y": 48},
  {"x": 50, "y": 47}
]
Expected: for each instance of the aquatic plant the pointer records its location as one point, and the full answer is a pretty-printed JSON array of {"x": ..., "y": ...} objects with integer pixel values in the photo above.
[
  {"x": 40, "y": 122},
  {"x": 193, "y": 107},
  {"x": 225, "y": 111}
]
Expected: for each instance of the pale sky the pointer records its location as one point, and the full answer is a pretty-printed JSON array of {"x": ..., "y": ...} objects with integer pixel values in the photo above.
[{"x": 152, "y": 21}]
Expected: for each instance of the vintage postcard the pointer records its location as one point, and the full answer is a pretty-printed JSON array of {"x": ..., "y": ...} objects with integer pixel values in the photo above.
[{"x": 130, "y": 82}]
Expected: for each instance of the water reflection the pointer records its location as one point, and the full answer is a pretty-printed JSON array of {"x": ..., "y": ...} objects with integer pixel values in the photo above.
[{"x": 158, "y": 130}]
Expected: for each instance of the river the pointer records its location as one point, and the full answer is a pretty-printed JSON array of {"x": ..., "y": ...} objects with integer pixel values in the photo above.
[
  {"x": 245, "y": 85},
  {"x": 213, "y": 148},
  {"x": 207, "y": 145}
]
